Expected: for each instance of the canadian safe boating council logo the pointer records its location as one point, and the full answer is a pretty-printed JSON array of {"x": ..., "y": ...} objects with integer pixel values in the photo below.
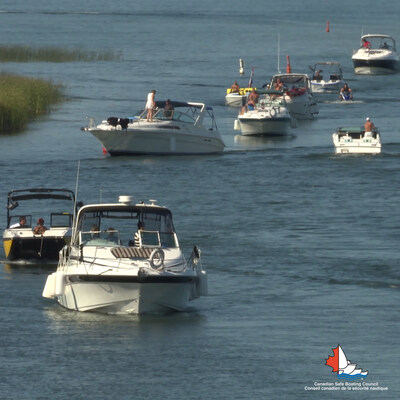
[{"x": 353, "y": 376}]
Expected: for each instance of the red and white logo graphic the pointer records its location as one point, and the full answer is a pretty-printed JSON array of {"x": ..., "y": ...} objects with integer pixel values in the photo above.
[{"x": 343, "y": 367}]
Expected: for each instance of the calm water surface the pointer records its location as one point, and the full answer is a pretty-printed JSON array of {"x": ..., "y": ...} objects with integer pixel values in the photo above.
[{"x": 301, "y": 246}]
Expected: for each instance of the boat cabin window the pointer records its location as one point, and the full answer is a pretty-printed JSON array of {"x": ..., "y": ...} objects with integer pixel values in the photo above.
[
  {"x": 61, "y": 220},
  {"x": 157, "y": 230}
]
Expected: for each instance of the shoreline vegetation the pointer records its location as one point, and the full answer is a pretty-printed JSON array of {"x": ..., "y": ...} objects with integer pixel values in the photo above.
[
  {"x": 22, "y": 99},
  {"x": 53, "y": 54}
]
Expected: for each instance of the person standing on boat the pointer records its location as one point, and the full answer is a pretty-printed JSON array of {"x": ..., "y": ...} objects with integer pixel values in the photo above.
[
  {"x": 253, "y": 96},
  {"x": 168, "y": 109},
  {"x": 150, "y": 105},
  {"x": 369, "y": 127},
  {"x": 137, "y": 236}
]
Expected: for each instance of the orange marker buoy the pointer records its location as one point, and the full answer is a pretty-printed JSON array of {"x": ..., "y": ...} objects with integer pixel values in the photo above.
[
  {"x": 327, "y": 26},
  {"x": 288, "y": 67}
]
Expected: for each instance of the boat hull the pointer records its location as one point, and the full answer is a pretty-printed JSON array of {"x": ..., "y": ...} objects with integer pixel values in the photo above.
[
  {"x": 371, "y": 63},
  {"x": 126, "y": 294},
  {"x": 302, "y": 107},
  {"x": 235, "y": 100},
  {"x": 326, "y": 87},
  {"x": 356, "y": 146},
  {"x": 268, "y": 127},
  {"x": 167, "y": 142}
]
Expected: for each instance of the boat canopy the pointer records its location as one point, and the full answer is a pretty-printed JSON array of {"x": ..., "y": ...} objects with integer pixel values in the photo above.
[
  {"x": 38, "y": 193},
  {"x": 379, "y": 41}
]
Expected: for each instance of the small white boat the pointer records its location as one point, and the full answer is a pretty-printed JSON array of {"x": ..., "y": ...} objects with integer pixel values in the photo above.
[
  {"x": 327, "y": 78},
  {"x": 237, "y": 99},
  {"x": 109, "y": 268},
  {"x": 270, "y": 117},
  {"x": 21, "y": 241},
  {"x": 298, "y": 96},
  {"x": 354, "y": 140},
  {"x": 189, "y": 129},
  {"x": 377, "y": 55}
]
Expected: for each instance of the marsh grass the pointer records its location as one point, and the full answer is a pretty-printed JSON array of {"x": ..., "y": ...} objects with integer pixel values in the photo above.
[
  {"x": 22, "y": 99},
  {"x": 53, "y": 54}
]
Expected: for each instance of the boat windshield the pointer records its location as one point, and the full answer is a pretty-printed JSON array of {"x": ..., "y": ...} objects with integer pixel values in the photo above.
[
  {"x": 118, "y": 228},
  {"x": 291, "y": 81},
  {"x": 378, "y": 42}
]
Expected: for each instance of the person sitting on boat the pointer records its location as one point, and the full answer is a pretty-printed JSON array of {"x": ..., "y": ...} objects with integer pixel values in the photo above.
[
  {"x": 346, "y": 93},
  {"x": 20, "y": 224},
  {"x": 95, "y": 231},
  {"x": 235, "y": 88},
  {"x": 150, "y": 105},
  {"x": 39, "y": 229},
  {"x": 369, "y": 127},
  {"x": 111, "y": 235},
  {"x": 168, "y": 109},
  {"x": 278, "y": 85},
  {"x": 385, "y": 46},
  {"x": 317, "y": 76},
  {"x": 253, "y": 96},
  {"x": 366, "y": 44},
  {"x": 140, "y": 226}
]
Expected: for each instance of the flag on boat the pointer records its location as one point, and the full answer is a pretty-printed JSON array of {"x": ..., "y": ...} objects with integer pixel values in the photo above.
[{"x": 251, "y": 78}]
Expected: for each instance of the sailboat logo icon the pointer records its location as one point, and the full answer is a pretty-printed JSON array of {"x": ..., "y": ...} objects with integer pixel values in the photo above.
[{"x": 344, "y": 368}]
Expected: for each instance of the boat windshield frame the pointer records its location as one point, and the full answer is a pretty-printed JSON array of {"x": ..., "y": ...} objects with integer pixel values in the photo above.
[
  {"x": 14, "y": 197},
  {"x": 122, "y": 222},
  {"x": 377, "y": 42},
  {"x": 183, "y": 112}
]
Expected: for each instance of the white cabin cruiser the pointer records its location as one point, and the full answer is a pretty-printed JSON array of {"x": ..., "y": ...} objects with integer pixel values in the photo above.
[
  {"x": 270, "y": 116},
  {"x": 377, "y": 55},
  {"x": 327, "y": 78},
  {"x": 354, "y": 140},
  {"x": 181, "y": 130},
  {"x": 21, "y": 240},
  {"x": 109, "y": 269},
  {"x": 297, "y": 88}
]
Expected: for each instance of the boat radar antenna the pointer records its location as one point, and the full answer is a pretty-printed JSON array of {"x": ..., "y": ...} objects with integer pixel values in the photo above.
[
  {"x": 125, "y": 199},
  {"x": 153, "y": 202}
]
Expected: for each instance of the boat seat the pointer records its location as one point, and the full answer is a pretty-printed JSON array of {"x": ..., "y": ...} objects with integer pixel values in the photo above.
[{"x": 132, "y": 252}]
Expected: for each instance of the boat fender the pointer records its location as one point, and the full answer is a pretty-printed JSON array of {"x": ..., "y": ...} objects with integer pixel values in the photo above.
[
  {"x": 236, "y": 125},
  {"x": 60, "y": 283},
  {"x": 49, "y": 290},
  {"x": 273, "y": 112},
  {"x": 202, "y": 286},
  {"x": 157, "y": 259}
]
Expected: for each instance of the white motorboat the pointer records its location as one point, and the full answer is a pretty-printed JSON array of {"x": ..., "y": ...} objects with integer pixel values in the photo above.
[
  {"x": 237, "y": 99},
  {"x": 354, "y": 140},
  {"x": 327, "y": 78},
  {"x": 298, "y": 97},
  {"x": 109, "y": 269},
  {"x": 377, "y": 55},
  {"x": 270, "y": 116},
  {"x": 20, "y": 239},
  {"x": 190, "y": 128}
]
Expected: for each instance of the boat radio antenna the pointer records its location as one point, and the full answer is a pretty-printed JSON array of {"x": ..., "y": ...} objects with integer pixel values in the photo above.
[
  {"x": 75, "y": 205},
  {"x": 279, "y": 50}
]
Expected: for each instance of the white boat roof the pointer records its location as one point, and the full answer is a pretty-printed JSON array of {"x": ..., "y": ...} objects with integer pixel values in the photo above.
[{"x": 370, "y": 35}]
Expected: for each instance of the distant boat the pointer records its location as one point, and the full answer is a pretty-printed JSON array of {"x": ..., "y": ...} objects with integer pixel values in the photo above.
[
  {"x": 22, "y": 242},
  {"x": 377, "y": 55},
  {"x": 354, "y": 140},
  {"x": 342, "y": 366},
  {"x": 270, "y": 117},
  {"x": 190, "y": 128},
  {"x": 298, "y": 96},
  {"x": 327, "y": 77}
]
